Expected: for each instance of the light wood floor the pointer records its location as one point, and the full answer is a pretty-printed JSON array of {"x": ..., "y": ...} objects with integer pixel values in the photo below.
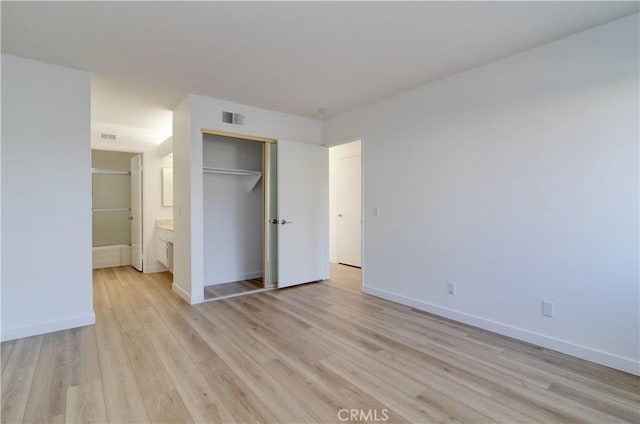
[
  {"x": 347, "y": 277},
  {"x": 237, "y": 287},
  {"x": 296, "y": 355}
]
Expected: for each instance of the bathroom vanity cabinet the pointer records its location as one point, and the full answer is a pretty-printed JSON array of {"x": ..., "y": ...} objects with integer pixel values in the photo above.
[{"x": 164, "y": 243}]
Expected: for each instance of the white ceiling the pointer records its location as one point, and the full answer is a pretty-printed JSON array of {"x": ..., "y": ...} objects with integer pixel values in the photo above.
[{"x": 289, "y": 56}]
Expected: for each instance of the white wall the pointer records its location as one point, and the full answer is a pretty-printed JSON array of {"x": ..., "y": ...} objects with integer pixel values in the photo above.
[
  {"x": 518, "y": 181},
  {"x": 182, "y": 175},
  {"x": 335, "y": 153},
  {"x": 46, "y": 199},
  {"x": 190, "y": 117},
  {"x": 128, "y": 139},
  {"x": 165, "y": 148}
]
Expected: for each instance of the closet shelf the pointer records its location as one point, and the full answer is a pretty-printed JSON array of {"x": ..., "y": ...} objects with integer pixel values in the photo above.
[
  {"x": 230, "y": 171},
  {"x": 254, "y": 176}
]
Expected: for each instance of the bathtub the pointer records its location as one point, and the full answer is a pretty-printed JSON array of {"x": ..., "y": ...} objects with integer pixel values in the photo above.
[{"x": 109, "y": 256}]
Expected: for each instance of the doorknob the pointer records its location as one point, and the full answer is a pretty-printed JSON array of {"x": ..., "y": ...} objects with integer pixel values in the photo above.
[
  {"x": 274, "y": 221},
  {"x": 285, "y": 222}
]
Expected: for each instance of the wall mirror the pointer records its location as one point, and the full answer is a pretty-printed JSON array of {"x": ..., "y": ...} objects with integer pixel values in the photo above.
[{"x": 167, "y": 186}]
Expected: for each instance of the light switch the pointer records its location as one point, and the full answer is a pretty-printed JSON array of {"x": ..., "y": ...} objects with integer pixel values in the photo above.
[{"x": 375, "y": 211}]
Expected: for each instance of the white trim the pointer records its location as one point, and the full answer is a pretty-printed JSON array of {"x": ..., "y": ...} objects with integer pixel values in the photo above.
[
  {"x": 191, "y": 300},
  {"x": 233, "y": 278},
  {"x": 48, "y": 327},
  {"x": 183, "y": 294},
  {"x": 228, "y": 296},
  {"x": 333, "y": 260},
  {"x": 583, "y": 352}
]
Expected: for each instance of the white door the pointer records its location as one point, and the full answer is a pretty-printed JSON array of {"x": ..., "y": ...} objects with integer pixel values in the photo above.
[
  {"x": 136, "y": 212},
  {"x": 303, "y": 212},
  {"x": 349, "y": 205}
]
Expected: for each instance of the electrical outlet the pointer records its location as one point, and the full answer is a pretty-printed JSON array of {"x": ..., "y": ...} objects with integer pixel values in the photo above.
[
  {"x": 547, "y": 309},
  {"x": 451, "y": 288}
]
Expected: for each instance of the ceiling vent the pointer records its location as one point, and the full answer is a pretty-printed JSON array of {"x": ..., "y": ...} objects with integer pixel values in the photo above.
[
  {"x": 108, "y": 137},
  {"x": 238, "y": 119},
  {"x": 232, "y": 118}
]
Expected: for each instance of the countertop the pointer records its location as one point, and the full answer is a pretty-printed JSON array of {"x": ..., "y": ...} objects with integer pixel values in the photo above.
[{"x": 164, "y": 224}]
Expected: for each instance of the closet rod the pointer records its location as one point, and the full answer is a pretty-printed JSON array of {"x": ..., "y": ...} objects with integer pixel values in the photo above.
[
  {"x": 109, "y": 171},
  {"x": 110, "y": 209},
  {"x": 230, "y": 171}
]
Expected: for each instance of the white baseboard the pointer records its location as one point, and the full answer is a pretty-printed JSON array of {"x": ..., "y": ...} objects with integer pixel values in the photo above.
[
  {"x": 48, "y": 327},
  {"x": 229, "y": 296},
  {"x": 333, "y": 260},
  {"x": 583, "y": 352},
  {"x": 191, "y": 300},
  {"x": 232, "y": 278}
]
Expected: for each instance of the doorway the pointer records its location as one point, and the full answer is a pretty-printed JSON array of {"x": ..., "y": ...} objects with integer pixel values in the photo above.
[
  {"x": 345, "y": 190},
  {"x": 116, "y": 209}
]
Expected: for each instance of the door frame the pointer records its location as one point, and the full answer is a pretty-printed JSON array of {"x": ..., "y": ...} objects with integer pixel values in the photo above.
[
  {"x": 362, "y": 206},
  {"x": 266, "y": 201},
  {"x": 140, "y": 213},
  {"x": 338, "y": 185}
]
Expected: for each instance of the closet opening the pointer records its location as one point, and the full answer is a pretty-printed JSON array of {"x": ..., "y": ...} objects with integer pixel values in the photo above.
[{"x": 240, "y": 214}]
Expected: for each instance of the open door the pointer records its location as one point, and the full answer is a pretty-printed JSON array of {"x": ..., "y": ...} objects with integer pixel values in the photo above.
[
  {"x": 303, "y": 209},
  {"x": 136, "y": 212}
]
